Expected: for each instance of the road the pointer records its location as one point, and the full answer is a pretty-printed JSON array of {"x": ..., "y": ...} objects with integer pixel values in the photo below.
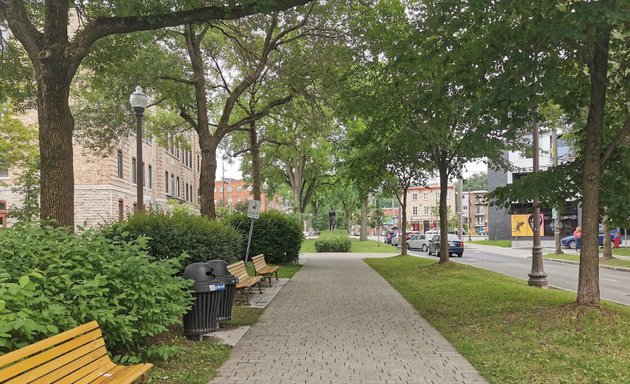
[{"x": 614, "y": 285}]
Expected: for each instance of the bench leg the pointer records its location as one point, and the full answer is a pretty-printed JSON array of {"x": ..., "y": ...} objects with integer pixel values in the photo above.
[
  {"x": 269, "y": 278},
  {"x": 276, "y": 274},
  {"x": 259, "y": 286}
]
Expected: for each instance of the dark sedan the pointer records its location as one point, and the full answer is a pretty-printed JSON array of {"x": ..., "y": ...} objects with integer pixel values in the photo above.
[{"x": 455, "y": 246}]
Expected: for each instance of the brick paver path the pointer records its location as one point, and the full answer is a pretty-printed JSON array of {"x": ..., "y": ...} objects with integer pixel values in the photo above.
[{"x": 338, "y": 321}]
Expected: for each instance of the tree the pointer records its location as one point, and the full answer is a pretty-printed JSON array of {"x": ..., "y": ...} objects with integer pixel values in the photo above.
[
  {"x": 476, "y": 182},
  {"x": 56, "y": 55},
  {"x": 585, "y": 72}
]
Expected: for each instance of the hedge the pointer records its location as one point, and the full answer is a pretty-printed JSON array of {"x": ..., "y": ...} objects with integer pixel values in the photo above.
[
  {"x": 275, "y": 234},
  {"x": 172, "y": 235},
  {"x": 52, "y": 280},
  {"x": 333, "y": 241}
]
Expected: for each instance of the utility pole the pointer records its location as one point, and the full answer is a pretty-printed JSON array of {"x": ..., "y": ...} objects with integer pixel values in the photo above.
[
  {"x": 556, "y": 210},
  {"x": 537, "y": 277}
]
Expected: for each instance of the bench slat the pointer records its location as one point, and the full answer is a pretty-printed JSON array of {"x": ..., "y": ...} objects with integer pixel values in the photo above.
[
  {"x": 46, "y": 343},
  {"x": 129, "y": 374},
  {"x": 114, "y": 371},
  {"x": 73, "y": 366},
  {"x": 86, "y": 372},
  {"x": 43, "y": 362}
]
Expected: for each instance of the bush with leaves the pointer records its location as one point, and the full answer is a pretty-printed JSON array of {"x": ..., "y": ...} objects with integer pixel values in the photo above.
[
  {"x": 275, "y": 234},
  {"x": 170, "y": 235},
  {"x": 333, "y": 241},
  {"x": 53, "y": 280}
]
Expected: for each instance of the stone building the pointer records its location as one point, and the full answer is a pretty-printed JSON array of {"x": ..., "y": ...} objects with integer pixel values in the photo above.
[{"x": 105, "y": 187}]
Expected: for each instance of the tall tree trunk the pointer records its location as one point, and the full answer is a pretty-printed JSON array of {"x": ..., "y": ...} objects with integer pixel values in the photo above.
[
  {"x": 208, "y": 174},
  {"x": 444, "y": 258},
  {"x": 255, "y": 152},
  {"x": 55, "y": 143},
  {"x": 403, "y": 222},
  {"x": 588, "y": 280},
  {"x": 364, "y": 218}
]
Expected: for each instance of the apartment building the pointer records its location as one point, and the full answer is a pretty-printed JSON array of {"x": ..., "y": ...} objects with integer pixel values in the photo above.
[
  {"x": 105, "y": 187},
  {"x": 475, "y": 211},
  {"x": 230, "y": 192},
  {"x": 423, "y": 206}
]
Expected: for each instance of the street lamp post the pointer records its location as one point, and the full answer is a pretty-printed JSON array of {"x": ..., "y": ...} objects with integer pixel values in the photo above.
[
  {"x": 537, "y": 277},
  {"x": 139, "y": 102}
]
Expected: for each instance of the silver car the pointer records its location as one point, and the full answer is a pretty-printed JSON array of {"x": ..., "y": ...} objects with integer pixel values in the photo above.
[{"x": 420, "y": 242}]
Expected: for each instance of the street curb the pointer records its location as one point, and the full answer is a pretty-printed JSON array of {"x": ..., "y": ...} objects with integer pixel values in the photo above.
[{"x": 611, "y": 267}]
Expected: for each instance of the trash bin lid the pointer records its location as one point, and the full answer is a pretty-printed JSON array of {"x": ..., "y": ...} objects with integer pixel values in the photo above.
[
  {"x": 200, "y": 272},
  {"x": 219, "y": 268}
]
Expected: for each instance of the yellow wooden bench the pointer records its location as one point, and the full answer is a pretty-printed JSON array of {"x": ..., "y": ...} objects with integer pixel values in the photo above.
[
  {"x": 75, "y": 356},
  {"x": 261, "y": 267},
  {"x": 245, "y": 281}
]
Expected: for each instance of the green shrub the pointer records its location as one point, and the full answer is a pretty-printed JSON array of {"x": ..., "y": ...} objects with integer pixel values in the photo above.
[
  {"x": 275, "y": 234},
  {"x": 52, "y": 280},
  {"x": 333, "y": 241},
  {"x": 172, "y": 235}
]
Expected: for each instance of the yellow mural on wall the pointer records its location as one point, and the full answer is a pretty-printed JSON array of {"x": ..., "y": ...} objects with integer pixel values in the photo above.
[{"x": 522, "y": 225}]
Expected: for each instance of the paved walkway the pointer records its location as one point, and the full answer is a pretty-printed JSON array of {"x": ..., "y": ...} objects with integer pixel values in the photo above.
[{"x": 338, "y": 321}]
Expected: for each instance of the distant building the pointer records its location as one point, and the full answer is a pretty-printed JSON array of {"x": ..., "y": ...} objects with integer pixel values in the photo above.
[
  {"x": 230, "y": 192},
  {"x": 423, "y": 206},
  {"x": 475, "y": 211},
  {"x": 500, "y": 220}
]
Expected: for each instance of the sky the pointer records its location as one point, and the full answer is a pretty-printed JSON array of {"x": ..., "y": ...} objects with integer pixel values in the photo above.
[{"x": 232, "y": 171}]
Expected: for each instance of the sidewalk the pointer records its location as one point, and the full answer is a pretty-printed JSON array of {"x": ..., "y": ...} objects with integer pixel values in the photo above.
[{"x": 338, "y": 321}]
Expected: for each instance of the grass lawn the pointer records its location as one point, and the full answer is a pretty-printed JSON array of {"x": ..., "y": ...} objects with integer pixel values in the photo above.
[
  {"x": 198, "y": 361},
  {"x": 513, "y": 333},
  {"x": 496, "y": 243},
  {"x": 370, "y": 246},
  {"x": 621, "y": 251},
  {"x": 602, "y": 261}
]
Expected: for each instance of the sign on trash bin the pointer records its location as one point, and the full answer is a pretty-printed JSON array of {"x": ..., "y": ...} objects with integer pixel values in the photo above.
[
  {"x": 217, "y": 287},
  {"x": 253, "y": 209}
]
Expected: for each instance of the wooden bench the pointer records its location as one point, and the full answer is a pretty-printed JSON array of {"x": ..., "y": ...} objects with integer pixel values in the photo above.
[
  {"x": 261, "y": 268},
  {"x": 75, "y": 356},
  {"x": 245, "y": 281}
]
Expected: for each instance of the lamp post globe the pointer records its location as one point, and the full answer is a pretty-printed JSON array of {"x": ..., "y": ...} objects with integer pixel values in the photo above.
[{"x": 139, "y": 102}]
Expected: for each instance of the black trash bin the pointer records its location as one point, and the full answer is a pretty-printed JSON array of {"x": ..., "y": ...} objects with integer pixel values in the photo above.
[
  {"x": 203, "y": 316},
  {"x": 226, "y": 297}
]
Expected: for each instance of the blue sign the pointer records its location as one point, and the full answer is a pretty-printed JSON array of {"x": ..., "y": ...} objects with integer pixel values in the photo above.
[{"x": 217, "y": 287}]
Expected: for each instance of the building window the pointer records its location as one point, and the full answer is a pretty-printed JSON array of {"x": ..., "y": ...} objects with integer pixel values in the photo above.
[
  {"x": 426, "y": 210},
  {"x": 239, "y": 189},
  {"x": 414, "y": 210},
  {"x": 134, "y": 171},
  {"x": 150, "y": 176},
  {"x": 191, "y": 193},
  {"x": 179, "y": 192},
  {"x": 143, "y": 176},
  {"x": 121, "y": 210},
  {"x": 229, "y": 189},
  {"x": 173, "y": 184},
  {"x": 187, "y": 195},
  {"x": 414, "y": 196},
  {"x": 426, "y": 196},
  {"x": 120, "y": 163},
  {"x": 166, "y": 182}
]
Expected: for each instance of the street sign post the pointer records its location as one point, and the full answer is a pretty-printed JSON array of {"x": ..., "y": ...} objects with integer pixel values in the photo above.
[{"x": 253, "y": 212}]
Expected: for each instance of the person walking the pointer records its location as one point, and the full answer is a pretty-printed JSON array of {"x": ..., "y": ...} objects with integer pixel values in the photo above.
[{"x": 578, "y": 238}]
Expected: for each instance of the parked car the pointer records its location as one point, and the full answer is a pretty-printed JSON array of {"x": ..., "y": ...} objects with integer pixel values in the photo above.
[
  {"x": 569, "y": 241},
  {"x": 396, "y": 241},
  {"x": 420, "y": 242},
  {"x": 455, "y": 245}
]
